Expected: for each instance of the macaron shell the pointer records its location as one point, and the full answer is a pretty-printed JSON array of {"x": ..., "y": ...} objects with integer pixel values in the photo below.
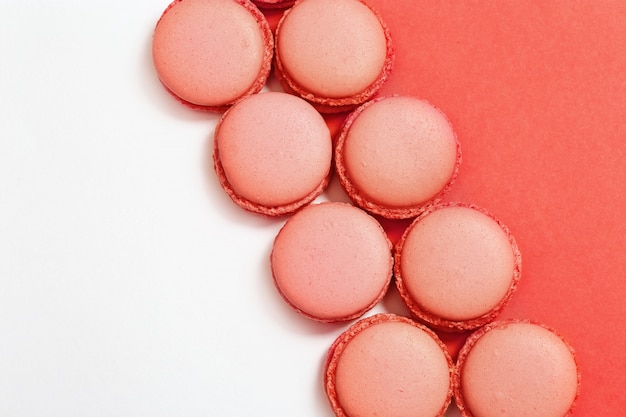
[
  {"x": 211, "y": 53},
  {"x": 396, "y": 155},
  {"x": 457, "y": 266},
  {"x": 516, "y": 368},
  {"x": 336, "y": 54},
  {"x": 331, "y": 262},
  {"x": 388, "y": 365},
  {"x": 272, "y": 153}
]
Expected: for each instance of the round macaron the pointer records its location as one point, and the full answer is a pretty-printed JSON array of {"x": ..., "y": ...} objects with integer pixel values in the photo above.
[
  {"x": 272, "y": 153},
  {"x": 388, "y": 365},
  {"x": 331, "y": 262},
  {"x": 273, "y": 4},
  {"x": 456, "y": 266},
  {"x": 335, "y": 53},
  {"x": 396, "y": 155},
  {"x": 211, "y": 53},
  {"x": 516, "y": 368}
]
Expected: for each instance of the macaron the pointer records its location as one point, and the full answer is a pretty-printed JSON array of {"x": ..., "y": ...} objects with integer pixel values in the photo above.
[
  {"x": 331, "y": 262},
  {"x": 211, "y": 53},
  {"x": 388, "y": 365},
  {"x": 516, "y": 368},
  {"x": 457, "y": 266},
  {"x": 272, "y": 153},
  {"x": 397, "y": 155},
  {"x": 336, "y": 54},
  {"x": 273, "y": 4}
]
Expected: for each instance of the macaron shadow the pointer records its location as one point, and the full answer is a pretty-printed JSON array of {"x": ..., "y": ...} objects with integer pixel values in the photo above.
[
  {"x": 392, "y": 303},
  {"x": 452, "y": 411}
]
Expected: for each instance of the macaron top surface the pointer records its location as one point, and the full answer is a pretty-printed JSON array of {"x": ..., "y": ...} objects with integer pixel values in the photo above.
[
  {"x": 273, "y": 149},
  {"x": 518, "y": 369},
  {"x": 331, "y": 261},
  {"x": 391, "y": 367},
  {"x": 456, "y": 262},
  {"x": 396, "y": 153},
  {"x": 331, "y": 48},
  {"x": 211, "y": 52}
]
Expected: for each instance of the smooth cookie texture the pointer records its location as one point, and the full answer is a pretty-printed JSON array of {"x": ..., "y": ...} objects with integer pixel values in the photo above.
[
  {"x": 516, "y": 368},
  {"x": 456, "y": 267},
  {"x": 334, "y": 53},
  {"x": 388, "y": 365},
  {"x": 211, "y": 53},
  {"x": 272, "y": 153},
  {"x": 396, "y": 155},
  {"x": 331, "y": 262}
]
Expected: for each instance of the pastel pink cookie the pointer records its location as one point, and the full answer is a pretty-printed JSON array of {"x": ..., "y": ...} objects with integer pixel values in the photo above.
[
  {"x": 211, "y": 53},
  {"x": 272, "y": 153},
  {"x": 388, "y": 365},
  {"x": 335, "y": 53},
  {"x": 395, "y": 155},
  {"x": 516, "y": 369},
  {"x": 456, "y": 266},
  {"x": 331, "y": 262}
]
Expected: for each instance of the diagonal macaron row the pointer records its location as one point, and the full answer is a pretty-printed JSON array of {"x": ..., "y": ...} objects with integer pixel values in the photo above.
[{"x": 455, "y": 266}]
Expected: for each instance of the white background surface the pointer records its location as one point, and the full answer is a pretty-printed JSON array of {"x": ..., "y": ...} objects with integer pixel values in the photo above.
[{"x": 130, "y": 285}]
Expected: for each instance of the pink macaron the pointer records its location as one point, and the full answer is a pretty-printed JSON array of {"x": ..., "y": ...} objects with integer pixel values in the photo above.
[
  {"x": 335, "y": 53},
  {"x": 516, "y": 368},
  {"x": 331, "y": 262},
  {"x": 457, "y": 266},
  {"x": 388, "y": 365},
  {"x": 397, "y": 155},
  {"x": 272, "y": 153},
  {"x": 211, "y": 53}
]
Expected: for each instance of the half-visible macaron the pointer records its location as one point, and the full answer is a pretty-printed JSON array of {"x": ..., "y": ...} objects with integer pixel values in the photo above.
[
  {"x": 457, "y": 266},
  {"x": 272, "y": 153},
  {"x": 211, "y": 53},
  {"x": 397, "y": 155},
  {"x": 334, "y": 53},
  {"x": 388, "y": 365},
  {"x": 516, "y": 368},
  {"x": 331, "y": 262}
]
